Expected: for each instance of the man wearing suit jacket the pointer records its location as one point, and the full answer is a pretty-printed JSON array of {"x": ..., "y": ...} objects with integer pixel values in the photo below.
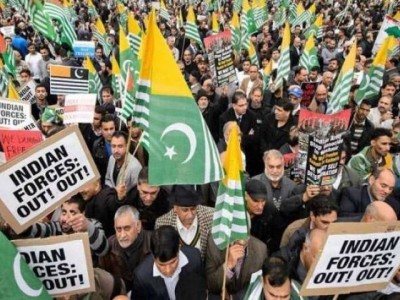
[
  {"x": 170, "y": 272},
  {"x": 251, "y": 82},
  {"x": 247, "y": 122},
  {"x": 295, "y": 52},
  {"x": 191, "y": 220},
  {"x": 119, "y": 167},
  {"x": 354, "y": 201}
]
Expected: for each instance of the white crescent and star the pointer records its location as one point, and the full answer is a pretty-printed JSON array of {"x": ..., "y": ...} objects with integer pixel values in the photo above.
[
  {"x": 19, "y": 279},
  {"x": 188, "y": 132},
  {"x": 77, "y": 74},
  {"x": 127, "y": 64}
]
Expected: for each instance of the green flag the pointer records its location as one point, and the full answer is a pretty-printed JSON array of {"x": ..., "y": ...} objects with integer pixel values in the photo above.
[
  {"x": 9, "y": 60},
  {"x": 181, "y": 148},
  {"x": 17, "y": 281},
  {"x": 309, "y": 58}
]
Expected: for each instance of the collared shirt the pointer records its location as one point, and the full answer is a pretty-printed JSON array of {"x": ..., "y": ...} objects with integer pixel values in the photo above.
[
  {"x": 249, "y": 87},
  {"x": 188, "y": 234},
  {"x": 171, "y": 282}
]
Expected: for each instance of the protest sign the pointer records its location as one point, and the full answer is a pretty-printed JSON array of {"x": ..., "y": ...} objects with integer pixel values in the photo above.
[
  {"x": 356, "y": 257},
  {"x": 219, "y": 50},
  {"x": 15, "y": 142},
  {"x": 79, "y": 108},
  {"x": 309, "y": 89},
  {"x": 14, "y": 114},
  {"x": 62, "y": 263},
  {"x": 8, "y": 31},
  {"x": 320, "y": 144},
  {"x": 38, "y": 181},
  {"x": 27, "y": 92},
  {"x": 83, "y": 48}
]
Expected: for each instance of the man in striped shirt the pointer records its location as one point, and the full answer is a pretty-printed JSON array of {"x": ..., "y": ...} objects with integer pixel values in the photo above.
[{"x": 73, "y": 220}]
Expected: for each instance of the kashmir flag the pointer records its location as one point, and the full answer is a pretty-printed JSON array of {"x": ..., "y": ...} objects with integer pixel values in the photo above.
[
  {"x": 237, "y": 6},
  {"x": 123, "y": 15},
  {"x": 101, "y": 35},
  {"x": 301, "y": 15},
  {"x": 247, "y": 24},
  {"x": 134, "y": 34},
  {"x": 372, "y": 81},
  {"x": 284, "y": 60},
  {"x": 253, "y": 55},
  {"x": 95, "y": 84},
  {"x": 230, "y": 219},
  {"x": 215, "y": 25},
  {"x": 340, "y": 93},
  {"x": 309, "y": 58},
  {"x": 92, "y": 10},
  {"x": 235, "y": 30},
  {"x": 17, "y": 280},
  {"x": 181, "y": 148},
  {"x": 192, "y": 31},
  {"x": 56, "y": 12},
  {"x": 127, "y": 58},
  {"x": 280, "y": 17},
  {"x": 293, "y": 11},
  {"x": 390, "y": 26},
  {"x": 267, "y": 74},
  {"x": 255, "y": 288},
  {"x": 260, "y": 13},
  {"x": 9, "y": 60},
  {"x": 393, "y": 46},
  {"x": 164, "y": 12},
  {"x": 116, "y": 80},
  {"x": 3, "y": 81},
  {"x": 343, "y": 13},
  {"x": 316, "y": 28},
  {"x": 179, "y": 19},
  {"x": 40, "y": 20},
  {"x": 311, "y": 14},
  {"x": 12, "y": 92}
]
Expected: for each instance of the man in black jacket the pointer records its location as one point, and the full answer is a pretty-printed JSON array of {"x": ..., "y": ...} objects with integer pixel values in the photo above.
[{"x": 171, "y": 271}]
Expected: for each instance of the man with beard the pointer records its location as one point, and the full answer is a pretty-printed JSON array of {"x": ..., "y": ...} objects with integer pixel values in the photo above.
[
  {"x": 70, "y": 221},
  {"x": 374, "y": 156},
  {"x": 360, "y": 129},
  {"x": 354, "y": 201},
  {"x": 128, "y": 247},
  {"x": 382, "y": 116}
]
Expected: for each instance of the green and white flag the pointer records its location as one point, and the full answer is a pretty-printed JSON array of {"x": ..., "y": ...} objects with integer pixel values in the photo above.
[
  {"x": 230, "y": 217},
  {"x": 235, "y": 30},
  {"x": 192, "y": 31},
  {"x": 255, "y": 288},
  {"x": 134, "y": 35},
  {"x": 9, "y": 60},
  {"x": 17, "y": 280},
  {"x": 309, "y": 58},
  {"x": 284, "y": 60},
  {"x": 341, "y": 91},
  {"x": 181, "y": 148}
]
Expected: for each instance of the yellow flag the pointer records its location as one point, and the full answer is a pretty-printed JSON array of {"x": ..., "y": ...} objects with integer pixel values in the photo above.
[
  {"x": 246, "y": 6},
  {"x": 115, "y": 70},
  {"x": 12, "y": 91},
  {"x": 312, "y": 9},
  {"x": 87, "y": 63},
  {"x": 123, "y": 41},
  {"x": 268, "y": 68},
  {"x": 397, "y": 16},
  {"x": 235, "y": 20},
  {"x": 300, "y": 8},
  {"x": 309, "y": 44},
  {"x": 286, "y": 37},
  {"x": 100, "y": 27},
  {"x": 133, "y": 26},
  {"x": 233, "y": 161},
  {"x": 382, "y": 54},
  {"x": 215, "y": 27},
  {"x": 350, "y": 60},
  {"x": 190, "y": 16}
]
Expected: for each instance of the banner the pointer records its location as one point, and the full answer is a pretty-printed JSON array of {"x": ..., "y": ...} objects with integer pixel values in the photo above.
[
  {"x": 219, "y": 51},
  {"x": 309, "y": 89},
  {"x": 356, "y": 257},
  {"x": 38, "y": 181},
  {"x": 320, "y": 144},
  {"x": 83, "y": 48},
  {"x": 14, "y": 114},
  {"x": 63, "y": 263},
  {"x": 79, "y": 108},
  {"x": 15, "y": 142},
  {"x": 27, "y": 92}
]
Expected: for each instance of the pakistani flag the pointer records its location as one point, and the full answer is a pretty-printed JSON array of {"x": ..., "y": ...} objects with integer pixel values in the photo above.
[
  {"x": 341, "y": 91},
  {"x": 181, "y": 148},
  {"x": 192, "y": 31},
  {"x": 134, "y": 34},
  {"x": 230, "y": 219},
  {"x": 255, "y": 288},
  {"x": 95, "y": 84},
  {"x": 308, "y": 58},
  {"x": 235, "y": 30},
  {"x": 316, "y": 28},
  {"x": 284, "y": 60},
  {"x": 371, "y": 83},
  {"x": 17, "y": 281}
]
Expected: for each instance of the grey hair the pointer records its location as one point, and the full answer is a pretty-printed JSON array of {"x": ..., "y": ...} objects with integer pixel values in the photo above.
[
  {"x": 272, "y": 153},
  {"x": 127, "y": 209}
]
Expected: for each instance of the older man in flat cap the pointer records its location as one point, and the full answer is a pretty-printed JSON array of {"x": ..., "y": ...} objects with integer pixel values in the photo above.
[{"x": 192, "y": 220}]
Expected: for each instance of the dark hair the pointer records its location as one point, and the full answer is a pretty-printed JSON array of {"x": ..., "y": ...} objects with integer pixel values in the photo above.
[
  {"x": 118, "y": 134},
  {"x": 100, "y": 110},
  {"x": 107, "y": 118},
  {"x": 378, "y": 132},
  {"x": 143, "y": 176},
  {"x": 276, "y": 270},
  {"x": 298, "y": 70},
  {"x": 285, "y": 104},
  {"x": 164, "y": 243},
  {"x": 107, "y": 89},
  {"x": 321, "y": 205},
  {"x": 389, "y": 83},
  {"x": 25, "y": 71},
  {"x": 78, "y": 200},
  {"x": 40, "y": 85},
  {"x": 237, "y": 96},
  {"x": 315, "y": 68}
]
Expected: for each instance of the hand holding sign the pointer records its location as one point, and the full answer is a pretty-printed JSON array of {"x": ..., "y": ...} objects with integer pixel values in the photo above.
[
  {"x": 311, "y": 192},
  {"x": 79, "y": 223}
]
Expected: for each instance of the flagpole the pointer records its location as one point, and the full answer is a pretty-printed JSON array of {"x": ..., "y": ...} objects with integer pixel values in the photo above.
[{"x": 225, "y": 268}]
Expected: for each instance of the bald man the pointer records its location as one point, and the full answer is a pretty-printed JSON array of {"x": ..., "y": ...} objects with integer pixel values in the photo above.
[{"x": 379, "y": 211}]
